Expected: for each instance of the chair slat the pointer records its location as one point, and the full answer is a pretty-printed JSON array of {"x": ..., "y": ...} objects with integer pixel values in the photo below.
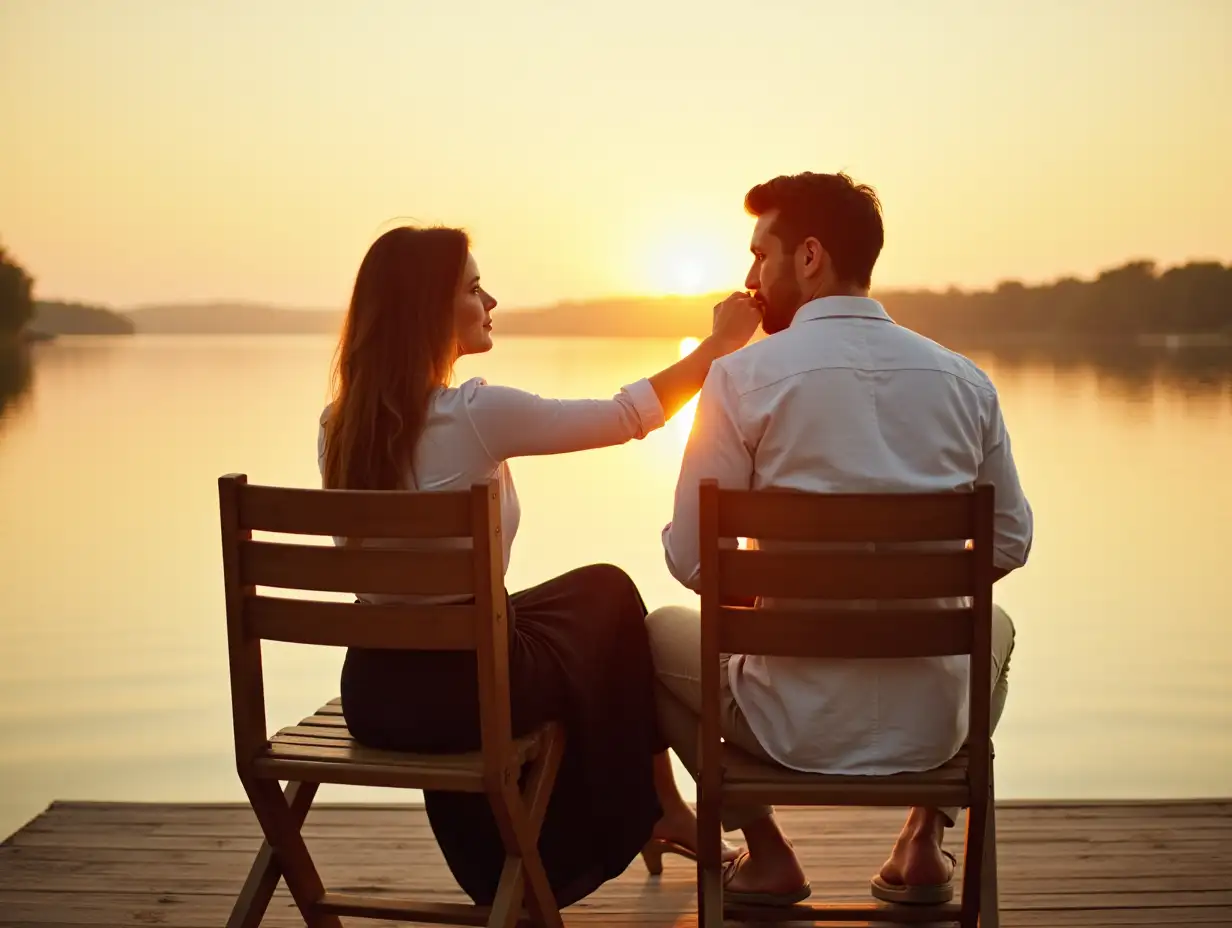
[
  {"x": 349, "y": 772},
  {"x": 314, "y": 739},
  {"x": 862, "y": 913},
  {"x": 853, "y": 633},
  {"x": 326, "y": 732},
  {"x": 409, "y": 910},
  {"x": 741, "y": 767},
  {"x": 286, "y": 748},
  {"x": 325, "y": 721},
  {"x": 336, "y": 749},
  {"x": 361, "y": 625},
  {"x": 789, "y": 516},
  {"x": 357, "y": 570},
  {"x": 847, "y": 575},
  {"x": 355, "y": 513},
  {"x": 871, "y": 793}
]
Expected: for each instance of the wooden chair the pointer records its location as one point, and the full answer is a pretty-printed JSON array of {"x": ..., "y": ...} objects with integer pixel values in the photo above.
[
  {"x": 319, "y": 749},
  {"x": 850, "y": 569}
]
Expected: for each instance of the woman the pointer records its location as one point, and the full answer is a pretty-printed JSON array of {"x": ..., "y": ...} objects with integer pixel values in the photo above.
[{"x": 579, "y": 652}]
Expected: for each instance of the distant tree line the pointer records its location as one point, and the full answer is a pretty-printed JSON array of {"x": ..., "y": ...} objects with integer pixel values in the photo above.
[
  {"x": 1132, "y": 300},
  {"x": 53, "y": 317},
  {"x": 16, "y": 303}
]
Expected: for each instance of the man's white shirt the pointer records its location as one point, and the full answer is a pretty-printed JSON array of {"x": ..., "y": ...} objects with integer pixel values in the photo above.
[{"x": 844, "y": 400}]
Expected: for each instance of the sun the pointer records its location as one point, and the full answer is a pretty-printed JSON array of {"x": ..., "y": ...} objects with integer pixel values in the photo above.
[
  {"x": 690, "y": 277},
  {"x": 687, "y": 266}
]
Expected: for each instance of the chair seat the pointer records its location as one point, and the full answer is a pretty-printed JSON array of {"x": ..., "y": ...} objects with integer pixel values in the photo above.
[
  {"x": 753, "y": 780},
  {"x": 320, "y": 749}
]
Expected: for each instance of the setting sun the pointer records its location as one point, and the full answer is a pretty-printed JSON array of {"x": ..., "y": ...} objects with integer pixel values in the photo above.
[
  {"x": 690, "y": 263},
  {"x": 687, "y": 271}
]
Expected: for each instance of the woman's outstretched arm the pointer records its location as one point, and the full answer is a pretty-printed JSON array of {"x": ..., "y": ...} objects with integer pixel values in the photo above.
[
  {"x": 513, "y": 423},
  {"x": 735, "y": 321}
]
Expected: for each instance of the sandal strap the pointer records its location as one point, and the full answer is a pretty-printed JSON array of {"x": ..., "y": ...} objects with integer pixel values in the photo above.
[{"x": 732, "y": 866}]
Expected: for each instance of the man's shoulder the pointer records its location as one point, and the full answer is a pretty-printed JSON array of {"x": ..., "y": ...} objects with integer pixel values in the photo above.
[
  {"x": 749, "y": 367},
  {"x": 776, "y": 357},
  {"x": 924, "y": 351}
]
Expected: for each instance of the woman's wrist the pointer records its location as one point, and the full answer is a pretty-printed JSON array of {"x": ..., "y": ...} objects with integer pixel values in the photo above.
[{"x": 715, "y": 346}]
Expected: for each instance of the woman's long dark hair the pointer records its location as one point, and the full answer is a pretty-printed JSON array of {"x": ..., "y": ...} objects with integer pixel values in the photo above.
[{"x": 397, "y": 346}]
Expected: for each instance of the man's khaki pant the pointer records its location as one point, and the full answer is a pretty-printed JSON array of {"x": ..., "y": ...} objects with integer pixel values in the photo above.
[{"x": 675, "y": 643}]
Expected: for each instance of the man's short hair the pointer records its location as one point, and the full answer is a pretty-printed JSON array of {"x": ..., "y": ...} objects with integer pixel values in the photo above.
[{"x": 844, "y": 216}]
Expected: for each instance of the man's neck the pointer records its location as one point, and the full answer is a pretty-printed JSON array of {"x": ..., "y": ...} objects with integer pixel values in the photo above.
[
  {"x": 823, "y": 292},
  {"x": 850, "y": 290}
]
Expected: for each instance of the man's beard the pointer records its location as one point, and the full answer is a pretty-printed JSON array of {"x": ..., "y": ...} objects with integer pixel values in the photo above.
[{"x": 780, "y": 300}]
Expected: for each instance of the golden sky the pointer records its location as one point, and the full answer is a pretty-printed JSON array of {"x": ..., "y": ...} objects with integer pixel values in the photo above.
[{"x": 165, "y": 150}]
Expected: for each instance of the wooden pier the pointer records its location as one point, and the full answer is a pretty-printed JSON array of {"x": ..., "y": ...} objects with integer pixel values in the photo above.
[{"x": 181, "y": 866}]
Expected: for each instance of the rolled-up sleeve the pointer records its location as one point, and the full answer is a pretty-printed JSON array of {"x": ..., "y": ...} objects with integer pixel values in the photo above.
[
  {"x": 512, "y": 423},
  {"x": 1013, "y": 528},
  {"x": 716, "y": 449}
]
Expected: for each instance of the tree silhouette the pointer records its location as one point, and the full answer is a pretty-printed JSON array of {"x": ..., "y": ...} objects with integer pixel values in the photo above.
[
  {"x": 16, "y": 304},
  {"x": 1121, "y": 303}
]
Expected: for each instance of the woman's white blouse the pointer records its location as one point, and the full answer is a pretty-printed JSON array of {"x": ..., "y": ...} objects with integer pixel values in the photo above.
[{"x": 472, "y": 431}]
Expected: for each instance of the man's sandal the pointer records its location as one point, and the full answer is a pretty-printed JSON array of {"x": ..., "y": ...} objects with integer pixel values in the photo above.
[{"x": 927, "y": 894}]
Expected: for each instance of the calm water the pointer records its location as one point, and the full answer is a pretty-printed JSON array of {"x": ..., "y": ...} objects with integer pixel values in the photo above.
[{"x": 113, "y": 670}]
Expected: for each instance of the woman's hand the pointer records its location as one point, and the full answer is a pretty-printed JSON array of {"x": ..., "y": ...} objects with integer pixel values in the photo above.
[{"x": 735, "y": 321}]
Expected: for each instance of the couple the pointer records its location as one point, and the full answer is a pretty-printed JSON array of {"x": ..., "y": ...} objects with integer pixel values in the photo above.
[{"x": 836, "y": 398}]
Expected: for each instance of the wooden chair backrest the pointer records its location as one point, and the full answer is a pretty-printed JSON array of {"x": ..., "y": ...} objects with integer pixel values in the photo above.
[
  {"x": 474, "y": 572},
  {"x": 872, "y": 547}
]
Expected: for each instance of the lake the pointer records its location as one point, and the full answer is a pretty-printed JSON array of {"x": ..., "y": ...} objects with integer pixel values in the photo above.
[{"x": 113, "y": 660}]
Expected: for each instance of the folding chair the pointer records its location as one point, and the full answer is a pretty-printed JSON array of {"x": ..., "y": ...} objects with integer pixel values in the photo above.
[
  {"x": 865, "y": 560},
  {"x": 320, "y": 749}
]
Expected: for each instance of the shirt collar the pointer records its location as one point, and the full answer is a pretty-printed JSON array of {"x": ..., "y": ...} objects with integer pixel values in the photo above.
[{"x": 831, "y": 307}]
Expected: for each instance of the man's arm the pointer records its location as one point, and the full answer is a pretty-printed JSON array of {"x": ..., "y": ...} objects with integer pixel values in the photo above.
[
  {"x": 716, "y": 449},
  {"x": 1013, "y": 525}
]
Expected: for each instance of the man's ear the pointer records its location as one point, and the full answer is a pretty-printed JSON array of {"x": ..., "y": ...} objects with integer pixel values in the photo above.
[{"x": 815, "y": 257}]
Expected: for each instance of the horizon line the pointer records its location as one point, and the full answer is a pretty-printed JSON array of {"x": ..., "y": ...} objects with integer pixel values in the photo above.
[{"x": 612, "y": 297}]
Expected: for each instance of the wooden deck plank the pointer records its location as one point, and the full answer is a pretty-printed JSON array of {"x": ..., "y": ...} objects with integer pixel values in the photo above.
[{"x": 1062, "y": 864}]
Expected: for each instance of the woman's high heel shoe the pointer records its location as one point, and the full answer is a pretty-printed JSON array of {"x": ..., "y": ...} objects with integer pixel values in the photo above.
[{"x": 652, "y": 853}]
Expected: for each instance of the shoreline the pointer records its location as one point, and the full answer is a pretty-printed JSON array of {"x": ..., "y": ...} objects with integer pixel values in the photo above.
[{"x": 1169, "y": 341}]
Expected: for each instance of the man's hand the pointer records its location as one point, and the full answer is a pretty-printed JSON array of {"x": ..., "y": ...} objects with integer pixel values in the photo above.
[{"x": 735, "y": 321}]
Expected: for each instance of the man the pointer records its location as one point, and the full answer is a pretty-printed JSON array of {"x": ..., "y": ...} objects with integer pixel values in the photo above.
[{"x": 837, "y": 398}]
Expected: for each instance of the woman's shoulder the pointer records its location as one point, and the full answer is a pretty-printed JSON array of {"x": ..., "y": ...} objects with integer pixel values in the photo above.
[
  {"x": 467, "y": 388},
  {"x": 467, "y": 393}
]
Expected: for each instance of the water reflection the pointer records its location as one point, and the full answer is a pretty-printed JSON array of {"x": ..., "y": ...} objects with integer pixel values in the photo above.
[
  {"x": 16, "y": 370},
  {"x": 682, "y": 422},
  {"x": 1125, "y": 370},
  {"x": 1114, "y": 616}
]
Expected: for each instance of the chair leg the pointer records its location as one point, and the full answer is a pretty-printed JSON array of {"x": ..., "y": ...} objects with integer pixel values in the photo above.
[
  {"x": 709, "y": 864},
  {"x": 282, "y": 831},
  {"x": 507, "y": 906},
  {"x": 542, "y": 777},
  {"x": 973, "y": 862},
  {"x": 990, "y": 903},
  {"x": 520, "y": 817},
  {"x": 265, "y": 873}
]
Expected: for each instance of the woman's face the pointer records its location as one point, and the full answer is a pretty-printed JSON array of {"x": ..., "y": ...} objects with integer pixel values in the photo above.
[{"x": 472, "y": 312}]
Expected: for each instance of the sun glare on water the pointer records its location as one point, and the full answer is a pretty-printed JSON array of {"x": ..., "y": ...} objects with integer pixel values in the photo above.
[{"x": 682, "y": 422}]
